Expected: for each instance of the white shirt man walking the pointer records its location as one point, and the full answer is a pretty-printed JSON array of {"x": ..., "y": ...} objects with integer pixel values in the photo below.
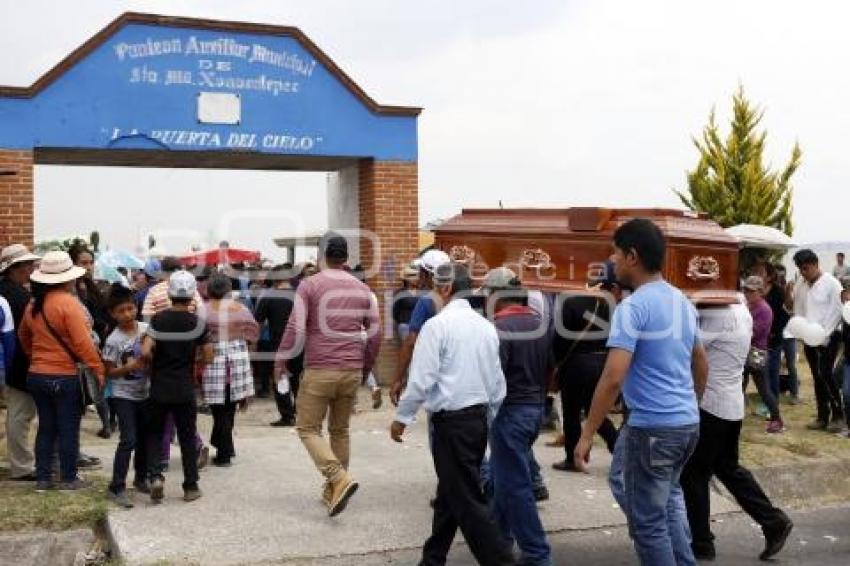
[{"x": 456, "y": 375}]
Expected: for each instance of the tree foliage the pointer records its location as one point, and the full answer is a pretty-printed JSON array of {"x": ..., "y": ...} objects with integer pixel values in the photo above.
[
  {"x": 61, "y": 245},
  {"x": 731, "y": 182}
]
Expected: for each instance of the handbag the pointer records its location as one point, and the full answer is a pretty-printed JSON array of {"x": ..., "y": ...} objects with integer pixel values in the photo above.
[
  {"x": 90, "y": 391},
  {"x": 756, "y": 359}
]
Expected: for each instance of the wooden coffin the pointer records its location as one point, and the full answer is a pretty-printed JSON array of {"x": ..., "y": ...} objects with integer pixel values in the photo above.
[{"x": 554, "y": 249}]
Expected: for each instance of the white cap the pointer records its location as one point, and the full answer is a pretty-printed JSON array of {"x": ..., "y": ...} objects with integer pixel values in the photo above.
[
  {"x": 182, "y": 285},
  {"x": 432, "y": 259}
]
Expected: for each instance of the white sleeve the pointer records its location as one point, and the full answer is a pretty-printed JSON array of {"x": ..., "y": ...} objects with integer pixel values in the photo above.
[
  {"x": 497, "y": 387},
  {"x": 8, "y": 319},
  {"x": 424, "y": 368},
  {"x": 832, "y": 317}
]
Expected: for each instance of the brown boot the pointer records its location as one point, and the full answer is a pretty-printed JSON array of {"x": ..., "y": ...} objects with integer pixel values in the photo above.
[
  {"x": 341, "y": 492},
  {"x": 327, "y": 493}
]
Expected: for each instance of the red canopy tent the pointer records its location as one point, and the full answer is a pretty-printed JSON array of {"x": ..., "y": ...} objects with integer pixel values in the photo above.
[{"x": 220, "y": 256}]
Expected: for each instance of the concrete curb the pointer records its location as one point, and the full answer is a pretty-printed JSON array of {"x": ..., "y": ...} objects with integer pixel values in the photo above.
[{"x": 817, "y": 482}]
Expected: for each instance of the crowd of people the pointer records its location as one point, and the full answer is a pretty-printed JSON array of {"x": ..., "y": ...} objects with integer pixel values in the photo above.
[{"x": 483, "y": 361}]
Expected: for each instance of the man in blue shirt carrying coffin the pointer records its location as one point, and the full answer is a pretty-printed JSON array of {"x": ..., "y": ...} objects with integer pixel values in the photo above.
[{"x": 656, "y": 359}]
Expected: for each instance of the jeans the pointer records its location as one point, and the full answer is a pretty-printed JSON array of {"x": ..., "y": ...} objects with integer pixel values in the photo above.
[
  {"x": 652, "y": 460},
  {"x": 774, "y": 362},
  {"x": 133, "y": 426},
  {"x": 717, "y": 454},
  {"x": 511, "y": 437},
  {"x": 185, "y": 420},
  {"x": 58, "y": 401},
  {"x": 460, "y": 439},
  {"x": 765, "y": 391},
  {"x": 324, "y": 391},
  {"x": 827, "y": 391}
]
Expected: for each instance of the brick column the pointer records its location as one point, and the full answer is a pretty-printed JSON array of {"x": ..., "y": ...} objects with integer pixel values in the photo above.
[
  {"x": 389, "y": 208},
  {"x": 16, "y": 197}
]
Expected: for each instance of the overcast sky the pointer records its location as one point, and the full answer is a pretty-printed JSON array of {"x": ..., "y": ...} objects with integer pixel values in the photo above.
[{"x": 544, "y": 103}]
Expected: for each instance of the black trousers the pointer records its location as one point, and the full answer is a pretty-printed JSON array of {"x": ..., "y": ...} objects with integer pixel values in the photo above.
[
  {"x": 827, "y": 388},
  {"x": 459, "y": 442},
  {"x": 286, "y": 403},
  {"x": 185, "y": 421},
  {"x": 133, "y": 422},
  {"x": 717, "y": 454},
  {"x": 578, "y": 383},
  {"x": 224, "y": 415}
]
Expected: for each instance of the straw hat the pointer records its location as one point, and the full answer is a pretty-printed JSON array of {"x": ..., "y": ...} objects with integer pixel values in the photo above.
[
  {"x": 16, "y": 253},
  {"x": 55, "y": 268}
]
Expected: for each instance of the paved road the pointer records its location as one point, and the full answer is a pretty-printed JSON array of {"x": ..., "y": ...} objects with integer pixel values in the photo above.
[{"x": 821, "y": 537}]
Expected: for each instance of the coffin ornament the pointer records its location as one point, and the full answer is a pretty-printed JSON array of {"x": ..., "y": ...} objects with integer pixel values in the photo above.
[{"x": 703, "y": 268}]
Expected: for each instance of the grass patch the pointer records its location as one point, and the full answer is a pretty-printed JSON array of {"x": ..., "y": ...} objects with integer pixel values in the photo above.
[
  {"x": 796, "y": 444},
  {"x": 24, "y": 509}
]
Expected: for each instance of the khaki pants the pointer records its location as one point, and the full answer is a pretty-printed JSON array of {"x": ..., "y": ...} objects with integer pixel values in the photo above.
[
  {"x": 327, "y": 391},
  {"x": 20, "y": 412}
]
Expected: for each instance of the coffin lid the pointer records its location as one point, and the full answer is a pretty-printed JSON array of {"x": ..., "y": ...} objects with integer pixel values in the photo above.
[{"x": 578, "y": 222}]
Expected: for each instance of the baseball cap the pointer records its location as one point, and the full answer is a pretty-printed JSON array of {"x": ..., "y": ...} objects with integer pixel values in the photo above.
[
  {"x": 152, "y": 268},
  {"x": 182, "y": 285},
  {"x": 754, "y": 283},
  {"x": 501, "y": 278},
  {"x": 432, "y": 259}
]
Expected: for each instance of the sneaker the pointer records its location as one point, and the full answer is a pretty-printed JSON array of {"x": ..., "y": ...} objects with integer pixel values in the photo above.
[
  {"x": 121, "y": 499},
  {"x": 541, "y": 493},
  {"x": 844, "y": 433},
  {"x": 75, "y": 484},
  {"x": 341, "y": 492},
  {"x": 835, "y": 426},
  {"x": 761, "y": 411},
  {"x": 85, "y": 462},
  {"x": 191, "y": 494},
  {"x": 221, "y": 462},
  {"x": 565, "y": 466},
  {"x": 42, "y": 486},
  {"x": 142, "y": 486},
  {"x": 816, "y": 425},
  {"x": 283, "y": 422},
  {"x": 704, "y": 552},
  {"x": 203, "y": 457},
  {"x": 28, "y": 477},
  {"x": 157, "y": 490},
  {"x": 377, "y": 399},
  {"x": 558, "y": 442},
  {"x": 775, "y": 426},
  {"x": 775, "y": 539},
  {"x": 104, "y": 433}
]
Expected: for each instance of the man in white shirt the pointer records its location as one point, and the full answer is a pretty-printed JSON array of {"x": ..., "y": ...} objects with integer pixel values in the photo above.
[
  {"x": 456, "y": 375},
  {"x": 818, "y": 299},
  {"x": 841, "y": 269},
  {"x": 725, "y": 334}
]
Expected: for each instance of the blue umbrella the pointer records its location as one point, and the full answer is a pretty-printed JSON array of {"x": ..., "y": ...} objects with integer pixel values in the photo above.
[
  {"x": 106, "y": 273},
  {"x": 119, "y": 258}
]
